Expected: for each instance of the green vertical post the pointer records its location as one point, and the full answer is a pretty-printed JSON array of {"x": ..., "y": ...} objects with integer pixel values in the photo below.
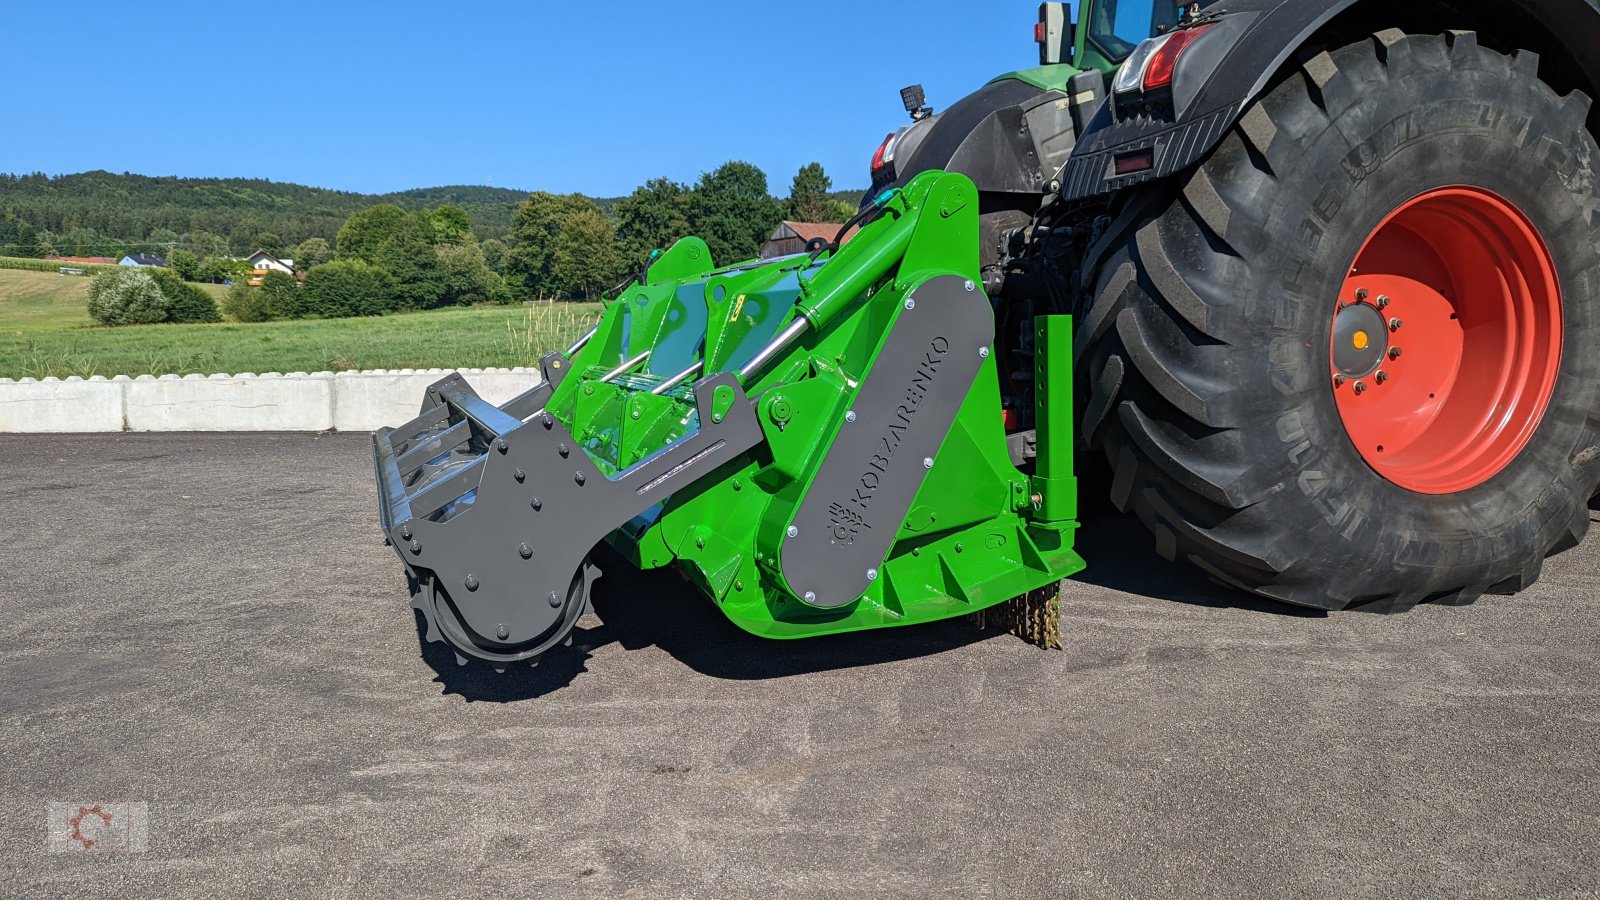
[{"x": 1054, "y": 482}]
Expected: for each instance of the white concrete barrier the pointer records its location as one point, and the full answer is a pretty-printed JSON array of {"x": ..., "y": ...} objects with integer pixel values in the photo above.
[
  {"x": 367, "y": 401},
  {"x": 298, "y": 401},
  {"x": 55, "y": 406},
  {"x": 248, "y": 402}
]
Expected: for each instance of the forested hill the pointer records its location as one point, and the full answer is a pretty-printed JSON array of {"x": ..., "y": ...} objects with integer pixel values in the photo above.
[
  {"x": 97, "y": 213},
  {"x": 105, "y": 214}
]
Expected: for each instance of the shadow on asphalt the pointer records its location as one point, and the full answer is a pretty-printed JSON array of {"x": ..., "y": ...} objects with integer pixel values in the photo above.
[
  {"x": 1120, "y": 557},
  {"x": 657, "y": 609}
]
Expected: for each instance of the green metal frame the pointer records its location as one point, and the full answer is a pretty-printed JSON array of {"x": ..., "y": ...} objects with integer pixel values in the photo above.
[{"x": 979, "y": 532}]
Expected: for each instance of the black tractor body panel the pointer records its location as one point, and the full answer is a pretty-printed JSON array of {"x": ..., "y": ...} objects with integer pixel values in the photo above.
[
  {"x": 989, "y": 137},
  {"x": 1136, "y": 138}
]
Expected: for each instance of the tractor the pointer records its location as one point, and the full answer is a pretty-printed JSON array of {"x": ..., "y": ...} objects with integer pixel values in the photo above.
[{"x": 1311, "y": 289}]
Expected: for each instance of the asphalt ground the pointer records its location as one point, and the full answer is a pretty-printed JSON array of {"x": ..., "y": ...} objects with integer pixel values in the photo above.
[{"x": 210, "y": 625}]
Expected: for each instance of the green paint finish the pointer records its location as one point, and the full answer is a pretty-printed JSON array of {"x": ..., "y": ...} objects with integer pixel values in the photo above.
[
  {"x": 1045, "y": 78},
  {"x": 1086, "y": 55},
  {"x": 972, "y": 538},
  {"x": 1054, "y": 483}
]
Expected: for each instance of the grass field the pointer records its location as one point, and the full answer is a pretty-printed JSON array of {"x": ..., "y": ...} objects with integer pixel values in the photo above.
[{"x": 45, "y": 330}]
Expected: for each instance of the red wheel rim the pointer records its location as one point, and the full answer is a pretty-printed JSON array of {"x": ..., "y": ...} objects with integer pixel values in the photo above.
[{"x": 1447, "y": 340}]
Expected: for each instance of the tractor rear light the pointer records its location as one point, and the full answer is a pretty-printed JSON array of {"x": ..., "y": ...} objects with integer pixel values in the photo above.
[
  {"x": 884, "y": 158},
  {"x": 1154, "y": 61},
  {"x": 1165, "y": 59},
  {"x": 1135, "y": 162},
  {"x": 1130, "y": 78}
]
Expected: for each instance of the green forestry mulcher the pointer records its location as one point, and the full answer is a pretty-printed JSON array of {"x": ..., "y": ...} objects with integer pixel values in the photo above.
[{"x": 1317, "y": 284}]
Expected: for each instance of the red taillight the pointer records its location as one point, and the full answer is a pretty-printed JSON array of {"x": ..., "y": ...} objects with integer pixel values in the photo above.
[
  {"x": 1165, "y": 62},
  {"x": 1135, "y": 162},
  {"x": 1041, "y": 32},
  {"x": 879, "y": 159}
]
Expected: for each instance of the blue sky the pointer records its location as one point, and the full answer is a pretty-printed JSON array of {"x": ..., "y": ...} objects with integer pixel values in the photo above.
[{"x": 574, "y": 96}]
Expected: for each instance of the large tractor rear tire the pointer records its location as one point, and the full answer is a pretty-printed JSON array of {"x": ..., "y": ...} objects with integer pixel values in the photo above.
[{"x": 1353, "y": 360}]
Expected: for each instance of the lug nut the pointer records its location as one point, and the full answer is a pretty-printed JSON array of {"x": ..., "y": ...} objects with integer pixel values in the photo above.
[
  {"x": 1383, "y": 302},
  {"x": 1395, "y": 352},
  {"x": 555, "y": 599},
  {"x": 580, "y": 478},
  {"x": 520, "y": 476},
  {"x": 910, "y": 303},
  {"x": 472, "y": 582},
  {"x": 564, "y": 450},
  {"x": 416, "y": 546},
  {"x": 927, "y": 462},
  {"x": 502, "y": 632},
  {"x": 525, "y": 551},
  {"x": 1362, "y": 295},
  {"x": 537, "y": 504},
  {"x": 793, "y": 531},
  {"x": 501, "y": 445},
  {"x": 1396, "y": 324},
  {"x": 850, "y": 416},
  {"x": 811, "y": 596},
  {"x": 1382, "y": 376},
  {"x": 1338, "y": 381},
  {"x": 405, "y": 533},
  {"x": 1361, "y": 388},
  {"x": 872, "y": 574}
]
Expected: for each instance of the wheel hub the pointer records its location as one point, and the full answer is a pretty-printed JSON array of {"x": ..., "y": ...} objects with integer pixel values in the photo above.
[
  {"x": 1360, "y": 340},
  {"x": 1446, "y": 340}
]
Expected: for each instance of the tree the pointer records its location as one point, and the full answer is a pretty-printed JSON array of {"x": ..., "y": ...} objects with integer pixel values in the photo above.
[
  {"x": 345, "y": 288},
  {"x": 451, "y": 225},
  {"x": 732, "y": 211},
  {"x": 27, "y": 241},
  {"x": 205, "y": 243},
  {"x": 312, "y": 252},
  {"x": 126, "y": 297},
  {"x": 494, "y": 255},
  {"x": 365, "y": 232},
  {"x": 653, "y": 217},
  {"x": 268, "y": 241},
  {"x": 409, "y": 257},
  {"x": 186, "y": 303},
  {"x": 215, "y": 270},
  {"x": 465, "y": 277},
  {"x": 82, "y": 241},
  {"x": 184, "y": 264},
  {"x": 244, "y": 303},
  {"x": 585, "y": 260},
  {"x": 808, "y": 195},
  {"x": 530, "y": 247}
]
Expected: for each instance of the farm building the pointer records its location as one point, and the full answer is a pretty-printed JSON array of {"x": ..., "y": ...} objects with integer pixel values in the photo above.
[
  {"x": 790, "y": 238},
  {"x": 142, "y": 261},
  {"x": 262, "y": 261}
]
